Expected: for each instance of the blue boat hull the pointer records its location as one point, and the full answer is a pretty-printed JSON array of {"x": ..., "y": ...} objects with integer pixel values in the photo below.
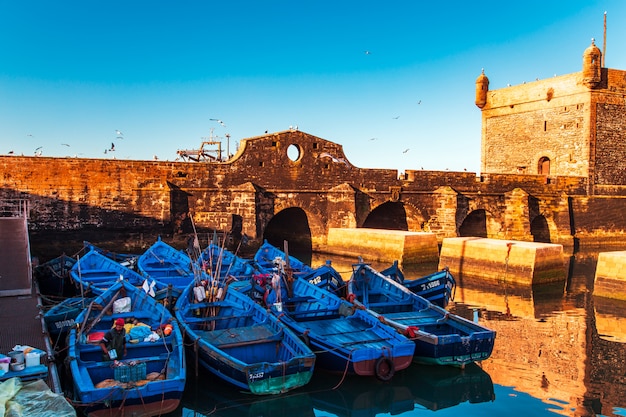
[
  {"x": 236, "y": 339},
  {"x": 151, "y": 377},
  {"x": 440, "y": 337},
  {"x": 345, "y": 340}
]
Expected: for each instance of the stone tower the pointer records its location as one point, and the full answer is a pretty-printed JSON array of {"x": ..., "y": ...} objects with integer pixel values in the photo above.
[{"x": 569, "y": 125}]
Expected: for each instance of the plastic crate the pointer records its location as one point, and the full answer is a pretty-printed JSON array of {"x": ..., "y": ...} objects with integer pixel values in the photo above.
[{"x": 130, "y": 373}]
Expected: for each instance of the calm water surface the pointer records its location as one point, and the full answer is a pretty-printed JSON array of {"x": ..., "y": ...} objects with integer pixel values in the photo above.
[{"x": 559, "y": 351}]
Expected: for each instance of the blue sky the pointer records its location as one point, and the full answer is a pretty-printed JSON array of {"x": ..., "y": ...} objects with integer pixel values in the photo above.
[{"x": 74, "y": 72}]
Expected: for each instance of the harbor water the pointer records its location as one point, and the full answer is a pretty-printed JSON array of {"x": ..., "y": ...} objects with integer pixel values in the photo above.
[{"x": 559, "y": 351}]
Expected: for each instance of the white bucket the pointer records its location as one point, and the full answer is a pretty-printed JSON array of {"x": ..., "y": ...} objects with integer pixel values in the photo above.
[{"x": 32, "y": 359}]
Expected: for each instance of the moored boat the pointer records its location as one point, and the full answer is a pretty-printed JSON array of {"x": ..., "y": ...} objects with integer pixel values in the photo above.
[
  {"x": 166, "y": 265},
  {"x": 236, "y": 339},
  {"x": 53, "y": 276},
  {"x": 345, "y": 339},
  {"x": 438, "y": 288},
  {"x": 149, "y": 379},
  {"x": 440, "y": 337},
  {"x": 60, "y": 317},
  {"x": 94, "y": 273}
]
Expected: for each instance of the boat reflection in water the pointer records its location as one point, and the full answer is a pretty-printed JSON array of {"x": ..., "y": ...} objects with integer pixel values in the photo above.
[
  {"x": 419, "y": 386},
  {"x": 208, "y": 395}
]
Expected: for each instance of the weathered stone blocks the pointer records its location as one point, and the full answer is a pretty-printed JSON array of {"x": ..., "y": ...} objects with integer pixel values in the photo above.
[
  {"x": 610, "y": 278},
  {"x": 383, "y": 245},
  {"x": 496, "y": 260}
]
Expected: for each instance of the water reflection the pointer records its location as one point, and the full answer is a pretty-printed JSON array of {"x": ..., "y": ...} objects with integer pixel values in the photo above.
[
  {"x": 557, "y": 343},
  {"x": 419, "y": 386}
]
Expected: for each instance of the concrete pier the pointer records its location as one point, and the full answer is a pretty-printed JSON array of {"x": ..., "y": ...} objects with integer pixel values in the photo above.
[
  {"x": 516, "y": 262},
  {"x": 610, "y": 278},
  {"x": 383, "y": 245}
]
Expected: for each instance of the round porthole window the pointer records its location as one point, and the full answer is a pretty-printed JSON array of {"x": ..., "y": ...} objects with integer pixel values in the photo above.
[{"x": 294, "y": 152}]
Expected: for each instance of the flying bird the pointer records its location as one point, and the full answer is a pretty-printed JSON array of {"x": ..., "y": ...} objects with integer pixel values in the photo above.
[
  {"x": 65, "y": 144},
  {"x": 118, "y": 133},
  {"x": 334, "y": 159},
  {"x": 112, "y": 147},
  {"x": 373, "y": 138},
  {"x": 219, "y": 121},
  {"x": 406, "y": 150},
  {"x": 367, "y": 52},
  {"x": 38, "y": 149},
  {"x": 419, "y": 102},
  {"x": 397, "y": 117}
]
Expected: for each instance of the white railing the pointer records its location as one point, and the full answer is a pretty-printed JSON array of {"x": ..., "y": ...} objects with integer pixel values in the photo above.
[{"x": 14, "y": 208}]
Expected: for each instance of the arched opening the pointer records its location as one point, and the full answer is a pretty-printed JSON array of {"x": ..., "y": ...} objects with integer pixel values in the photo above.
[
  {"x": 291, "y": 225},
  {"x": 540, "y": 230},
  {"x": 543, "y": 166},
  {"x": 474, "y": 225},
  {"x": 389, "y": 215}
]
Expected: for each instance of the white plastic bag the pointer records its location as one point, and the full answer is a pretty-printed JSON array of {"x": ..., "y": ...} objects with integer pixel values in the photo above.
[{"x": 121, "y": 306}]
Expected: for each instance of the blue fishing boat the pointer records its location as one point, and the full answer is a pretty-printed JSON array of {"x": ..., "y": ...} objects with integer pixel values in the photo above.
[
  {"x": 438, "y": 288},
  {"x": 149, "y": 379},
  {"x": 53, "y": 276},
  {"x": 94, "y": 273},
  {"x": 440, "y": 337},
  {"x": 220, "y": 263},
  {"x": 60, "y": 317},
  {"x": 166, "y": 265},
  {"x": 269, "y": 256},
  {"x": 345, "y": 339},
  {"x": 236, "y": 339}
]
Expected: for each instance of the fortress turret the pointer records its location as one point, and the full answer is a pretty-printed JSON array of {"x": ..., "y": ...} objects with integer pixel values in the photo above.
[
  {"x": 482, "y": 86},
  {"x": 592, "y": 65}
]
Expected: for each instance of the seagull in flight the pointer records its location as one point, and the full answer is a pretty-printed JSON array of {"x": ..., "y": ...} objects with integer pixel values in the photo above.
[
  {"x": 112, "y": 147},
  {"x": 38, "y": 148},
  {"x": 397, "y": 117},
  {"x": 65, "y": 144},
  {"x": 118, "y": 133},
  {"x": 406, "y": 150},
  {"x": 219, "y": 121},
  {"x": 334, "y": 159},
  {"x": 419, "y": 102},
  {"x": 367, "y": 52},
  {"x": 373, "y": 138}
]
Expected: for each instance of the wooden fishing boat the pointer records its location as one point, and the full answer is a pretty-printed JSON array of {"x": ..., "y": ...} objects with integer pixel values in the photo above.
[
  {"x": 269, "y": 256},
  {"x": 127, "y": 259},
  {"x": 166, "y": 265},
  {"x": 94, "y": 273},
  {"x": 149, "y": 379},
  {"x": 60, "y": 317},
  {"x": 53, "y": 277},
  {"x": 238, "y": 340},
  {"x": 440, "y": 337},
  {"x": 345, "y": 339},
  {"x": 438, "y": 288},
  {"x": 220, "y": 263}
]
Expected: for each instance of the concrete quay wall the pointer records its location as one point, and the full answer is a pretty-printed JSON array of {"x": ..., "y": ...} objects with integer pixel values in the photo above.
[{"x": 493, "y": 260}]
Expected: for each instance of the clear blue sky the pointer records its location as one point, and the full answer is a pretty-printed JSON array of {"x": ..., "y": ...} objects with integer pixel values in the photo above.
[{"x": 73, "y": 72}]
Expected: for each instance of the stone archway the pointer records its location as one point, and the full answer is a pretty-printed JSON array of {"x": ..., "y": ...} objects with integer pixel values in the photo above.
[
  {"x": 389, "y": 215},
  {"x": 292, "y": 225},
  {"x": 475, "y": 224},
  {"x": 540, "y": 230}
]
